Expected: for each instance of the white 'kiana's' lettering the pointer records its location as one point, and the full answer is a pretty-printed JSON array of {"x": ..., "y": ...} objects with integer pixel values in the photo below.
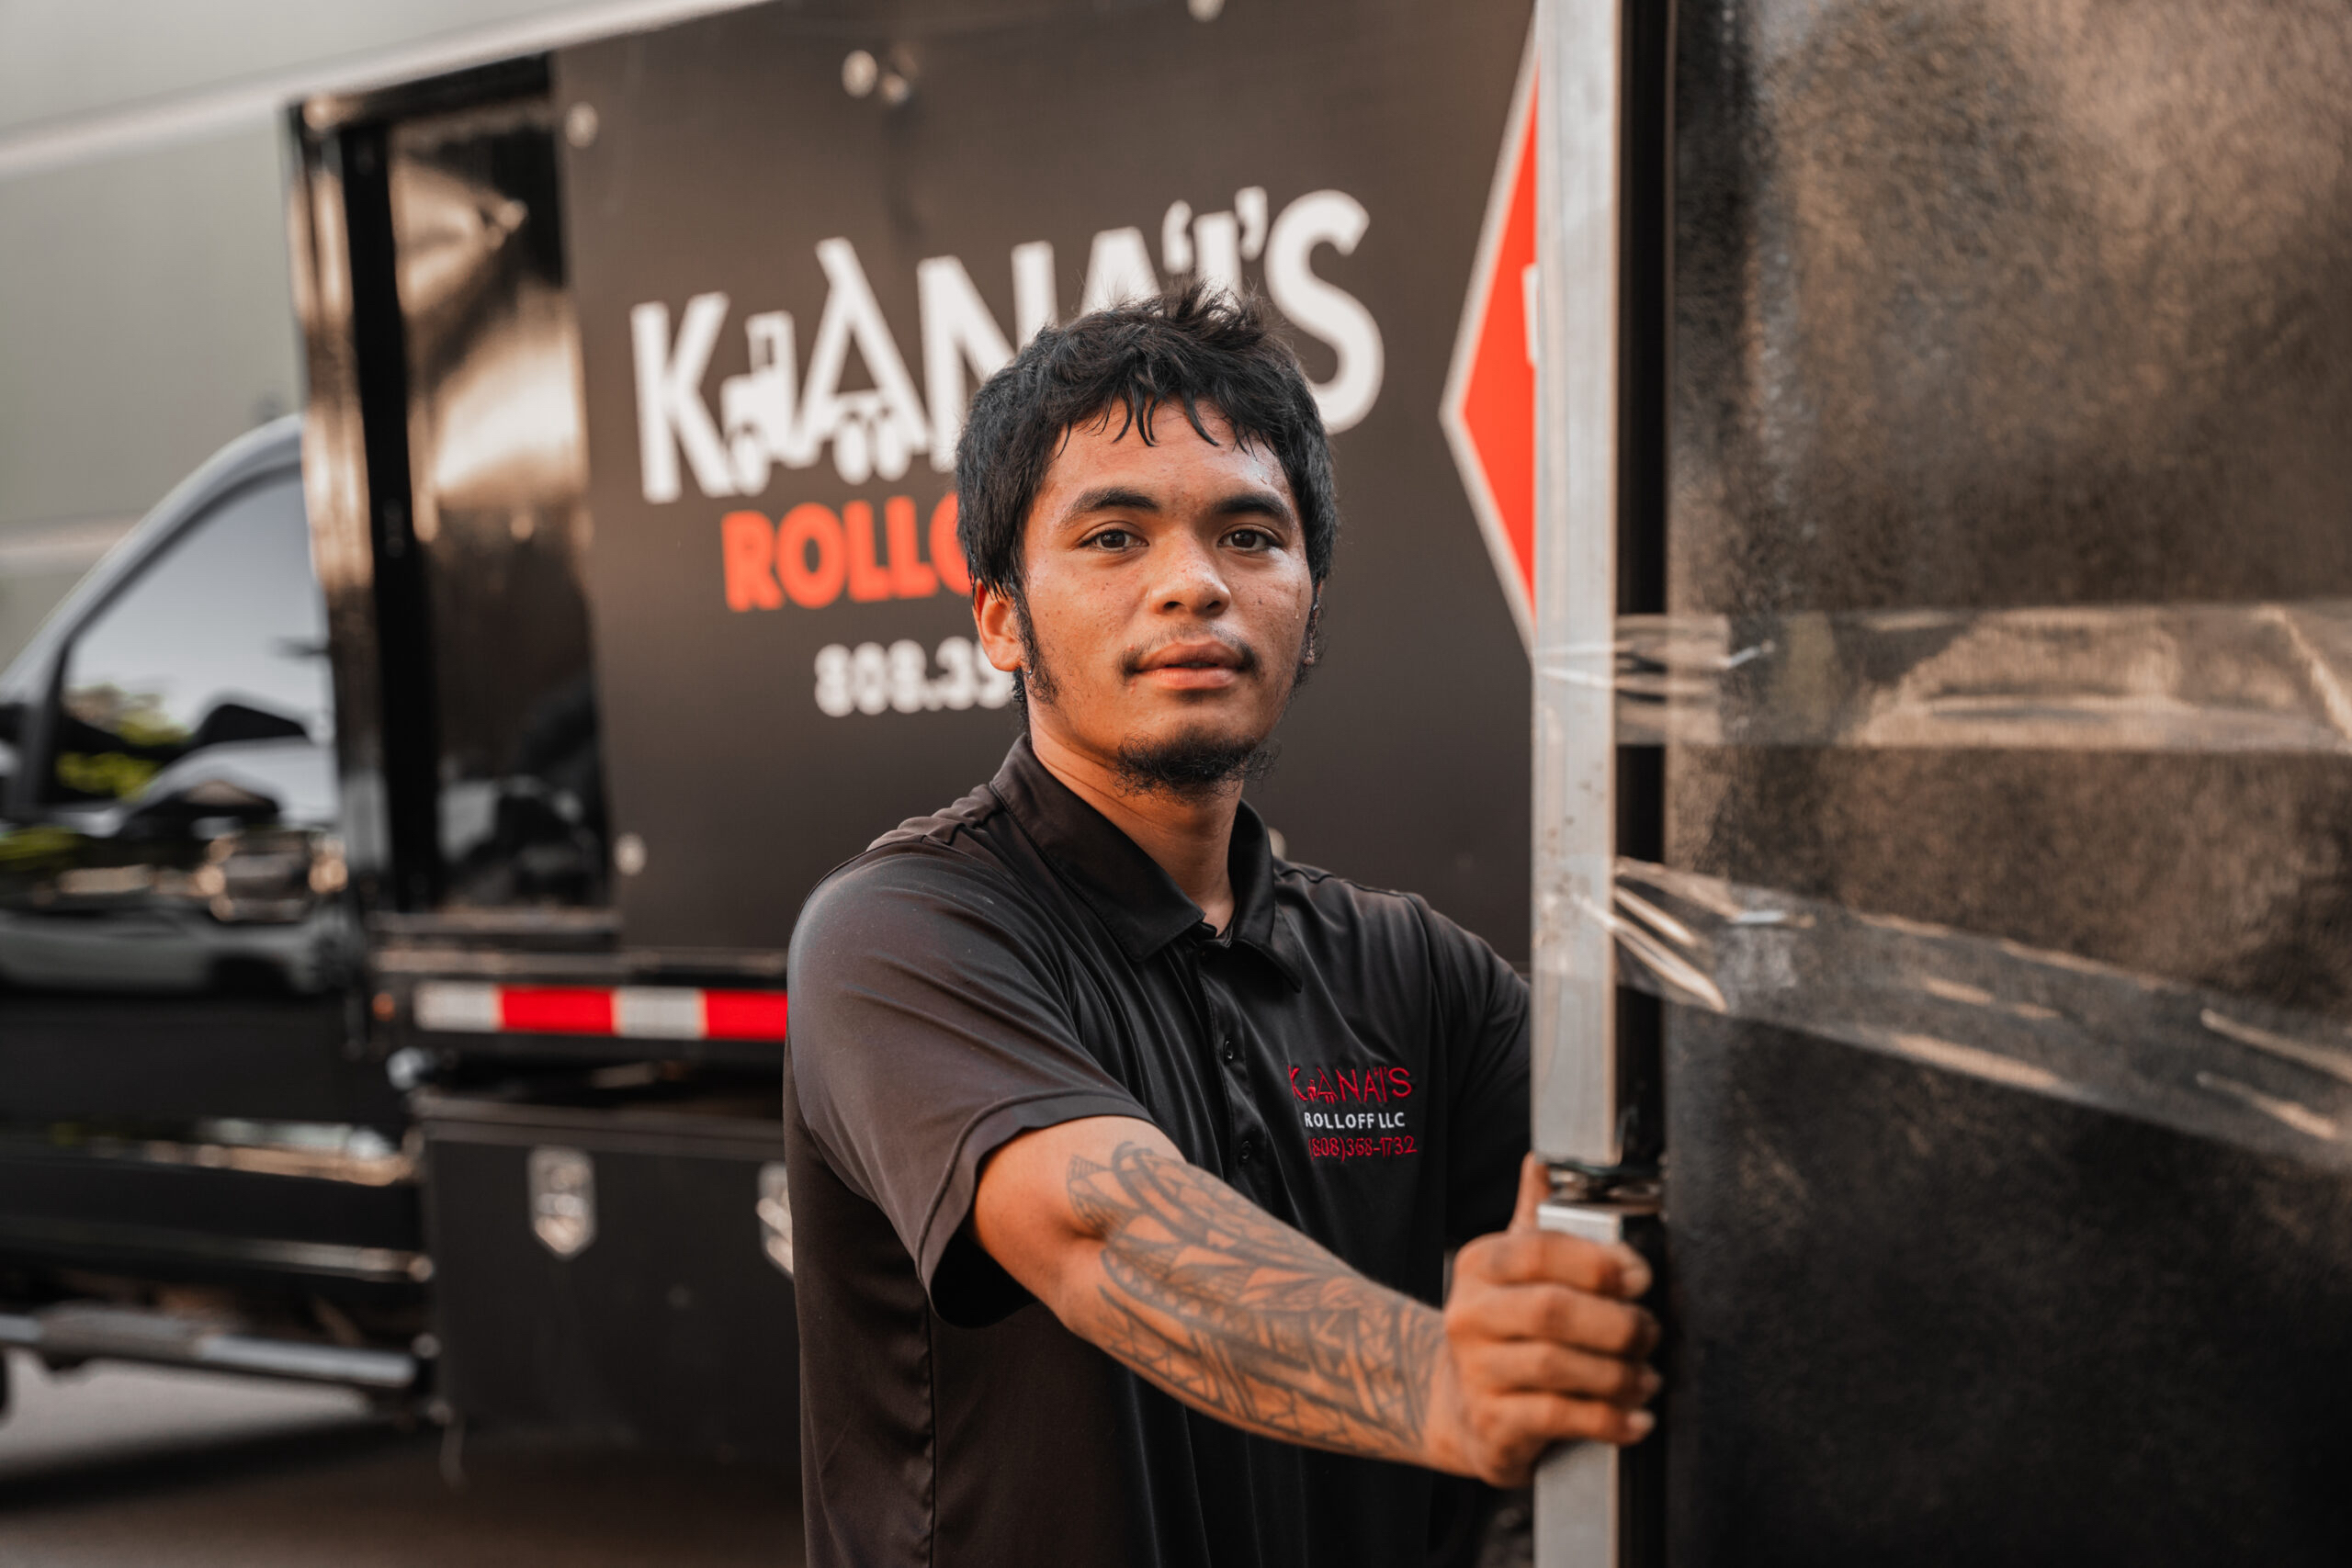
[
  {"x": 1216, "y": 242},
  {"x": 1118, "y": 269},
  {"x": 670, "y": 411},
  {"x": 956, "y": 329},
  {"x": 769, "y": 416},
  {"x": 1338, "y": 219},
  {"x": 876, "y": 431},
  {"x": 1034, "y": 295},
  {"x": 760, "y": 407}
]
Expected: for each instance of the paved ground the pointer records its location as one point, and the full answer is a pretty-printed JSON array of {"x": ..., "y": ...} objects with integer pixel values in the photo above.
[{"x": 119, "y": 1467}]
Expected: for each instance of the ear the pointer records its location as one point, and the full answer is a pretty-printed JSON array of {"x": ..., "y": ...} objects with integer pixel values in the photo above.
[
  {"x": 998, "y": 621},
  {"x": 1314, "y": 625}
]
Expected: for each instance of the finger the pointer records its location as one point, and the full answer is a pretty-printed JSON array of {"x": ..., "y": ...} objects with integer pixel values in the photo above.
[
  {"x": 1554, "y": 1312},
  {"x": 1519, "y": 1418},
  {"x": 1537, "y": 1366},
  {"x": 1607, "y": 1269},
  {"x": 1535, "y": 1186}
]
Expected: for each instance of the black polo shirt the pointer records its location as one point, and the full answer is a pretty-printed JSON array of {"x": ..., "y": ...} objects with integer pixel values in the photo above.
[{"x": 1346, "y": 1058}]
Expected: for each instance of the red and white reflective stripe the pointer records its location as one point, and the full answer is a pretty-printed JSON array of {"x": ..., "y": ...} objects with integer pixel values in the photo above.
[{"x": 637, "y": 1012}]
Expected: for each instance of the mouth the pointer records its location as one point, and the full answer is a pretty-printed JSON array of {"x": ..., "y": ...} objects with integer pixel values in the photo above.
[{"x": 1194, "y": 664}]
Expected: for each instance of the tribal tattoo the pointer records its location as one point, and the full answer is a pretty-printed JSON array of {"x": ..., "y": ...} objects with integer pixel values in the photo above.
[{"x": 1240, "y": 1316}]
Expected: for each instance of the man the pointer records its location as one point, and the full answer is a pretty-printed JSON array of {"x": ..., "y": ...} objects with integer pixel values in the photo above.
[{"x": 1123, "y": 1155}]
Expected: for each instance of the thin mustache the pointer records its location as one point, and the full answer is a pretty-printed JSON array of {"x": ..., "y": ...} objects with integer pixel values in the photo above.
[{"x": 1131, "y": 662}]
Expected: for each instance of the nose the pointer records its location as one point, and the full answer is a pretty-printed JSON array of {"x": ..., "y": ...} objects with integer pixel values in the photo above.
[{"x": 1190, "y": 579}]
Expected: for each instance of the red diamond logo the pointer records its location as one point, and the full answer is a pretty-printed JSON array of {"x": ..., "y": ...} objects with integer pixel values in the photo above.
[{"x": 1489, "y": 408}]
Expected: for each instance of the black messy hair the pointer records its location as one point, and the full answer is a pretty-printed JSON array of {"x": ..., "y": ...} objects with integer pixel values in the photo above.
[{"x": 1190, "y": 346}]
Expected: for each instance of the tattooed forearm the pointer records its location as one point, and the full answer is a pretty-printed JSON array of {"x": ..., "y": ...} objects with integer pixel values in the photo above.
[{"x": 1238, "y": 1315}]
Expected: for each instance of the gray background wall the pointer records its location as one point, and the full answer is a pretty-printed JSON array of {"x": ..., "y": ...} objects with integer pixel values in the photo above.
[{"x": 145, "y": 311}]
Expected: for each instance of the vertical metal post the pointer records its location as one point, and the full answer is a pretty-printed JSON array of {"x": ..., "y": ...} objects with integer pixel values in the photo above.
[{"x": 1579, "y": 136}]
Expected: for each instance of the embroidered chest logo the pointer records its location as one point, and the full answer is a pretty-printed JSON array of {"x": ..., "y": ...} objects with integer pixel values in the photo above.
[{"x": 1355, "y": 1112}]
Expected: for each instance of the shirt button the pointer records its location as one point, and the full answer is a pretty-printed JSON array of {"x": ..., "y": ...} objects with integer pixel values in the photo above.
[
  {"x": 1232, "y": 1051},
  {"x": 1249, "y": 1150}
]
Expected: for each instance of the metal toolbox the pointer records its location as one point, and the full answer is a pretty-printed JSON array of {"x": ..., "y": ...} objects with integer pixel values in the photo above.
[{"x": 622, "y": 1269}]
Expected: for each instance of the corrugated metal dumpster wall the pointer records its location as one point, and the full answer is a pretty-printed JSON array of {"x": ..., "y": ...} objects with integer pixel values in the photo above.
[{"x": 1986, "y": 305}]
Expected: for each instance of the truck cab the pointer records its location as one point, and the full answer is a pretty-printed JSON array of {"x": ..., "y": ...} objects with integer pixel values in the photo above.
[{"x": 194, "y": 1143}]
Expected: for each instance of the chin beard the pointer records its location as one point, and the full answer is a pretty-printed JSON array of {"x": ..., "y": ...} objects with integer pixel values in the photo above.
[{"x": 1192, "y": 766}]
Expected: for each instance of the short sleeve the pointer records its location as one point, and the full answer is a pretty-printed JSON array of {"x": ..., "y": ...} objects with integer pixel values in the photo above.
[
  {"x": 929, "y": 1028},
  {"x": 1481, "y": 1016}
]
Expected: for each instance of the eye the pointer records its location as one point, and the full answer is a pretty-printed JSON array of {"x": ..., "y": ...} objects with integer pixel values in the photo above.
[
  {"x": 1251, "y": 539},
  {"x": 1111, "y": 539}
]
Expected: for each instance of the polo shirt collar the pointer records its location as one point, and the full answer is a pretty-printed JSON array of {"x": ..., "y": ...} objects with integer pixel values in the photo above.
[{"x": 1129, "y": 893}]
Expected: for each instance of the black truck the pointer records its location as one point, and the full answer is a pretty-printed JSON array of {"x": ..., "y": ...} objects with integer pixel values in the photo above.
[{"x": 1940, "y": 869}]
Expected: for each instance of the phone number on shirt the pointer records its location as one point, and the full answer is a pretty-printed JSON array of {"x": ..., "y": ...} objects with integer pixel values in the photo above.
[{"x": 1359, "y": 1148}]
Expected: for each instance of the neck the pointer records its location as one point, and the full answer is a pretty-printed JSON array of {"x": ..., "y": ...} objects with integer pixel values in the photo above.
[{"x": 1188, "y": 834}]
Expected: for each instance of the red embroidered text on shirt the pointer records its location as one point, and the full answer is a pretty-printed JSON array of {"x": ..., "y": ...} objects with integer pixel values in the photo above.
[{"x": 1352, "y": 1112}]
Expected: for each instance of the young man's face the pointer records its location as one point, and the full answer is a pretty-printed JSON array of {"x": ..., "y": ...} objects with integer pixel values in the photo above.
[{"x": 1169, "y": 600}]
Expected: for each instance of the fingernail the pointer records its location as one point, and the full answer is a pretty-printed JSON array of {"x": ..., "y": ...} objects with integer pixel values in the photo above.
[
  {"x": 1642, "y": 1421},
  {"x": 1651, "y": 1383},
  {"x": 1636, "y": 1275}
]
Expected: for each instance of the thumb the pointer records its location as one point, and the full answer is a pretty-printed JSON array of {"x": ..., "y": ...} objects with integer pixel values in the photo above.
[{"x": 1535, "y": 1186}]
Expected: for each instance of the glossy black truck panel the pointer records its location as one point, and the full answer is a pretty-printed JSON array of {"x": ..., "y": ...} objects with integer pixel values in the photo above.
[{"x": 786, "y": 292}]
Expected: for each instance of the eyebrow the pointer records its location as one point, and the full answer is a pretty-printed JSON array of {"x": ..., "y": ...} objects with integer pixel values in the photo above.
[
  {"x": 1254, "y": 503},
  {"x": 1109, "y": 498},
  {"x": 1122, "y": 497}
]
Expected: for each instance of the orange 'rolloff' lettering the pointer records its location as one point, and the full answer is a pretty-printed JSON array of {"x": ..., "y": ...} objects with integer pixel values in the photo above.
[
  {"x": 867, "y": 580},
  {"x": 947, "y": 554},
  {"x": 747, "y": 545},
  {"x": 811, "y": 527},
  {"x": 909, "y": 579},
  {"x": 816, "y": 553}
]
